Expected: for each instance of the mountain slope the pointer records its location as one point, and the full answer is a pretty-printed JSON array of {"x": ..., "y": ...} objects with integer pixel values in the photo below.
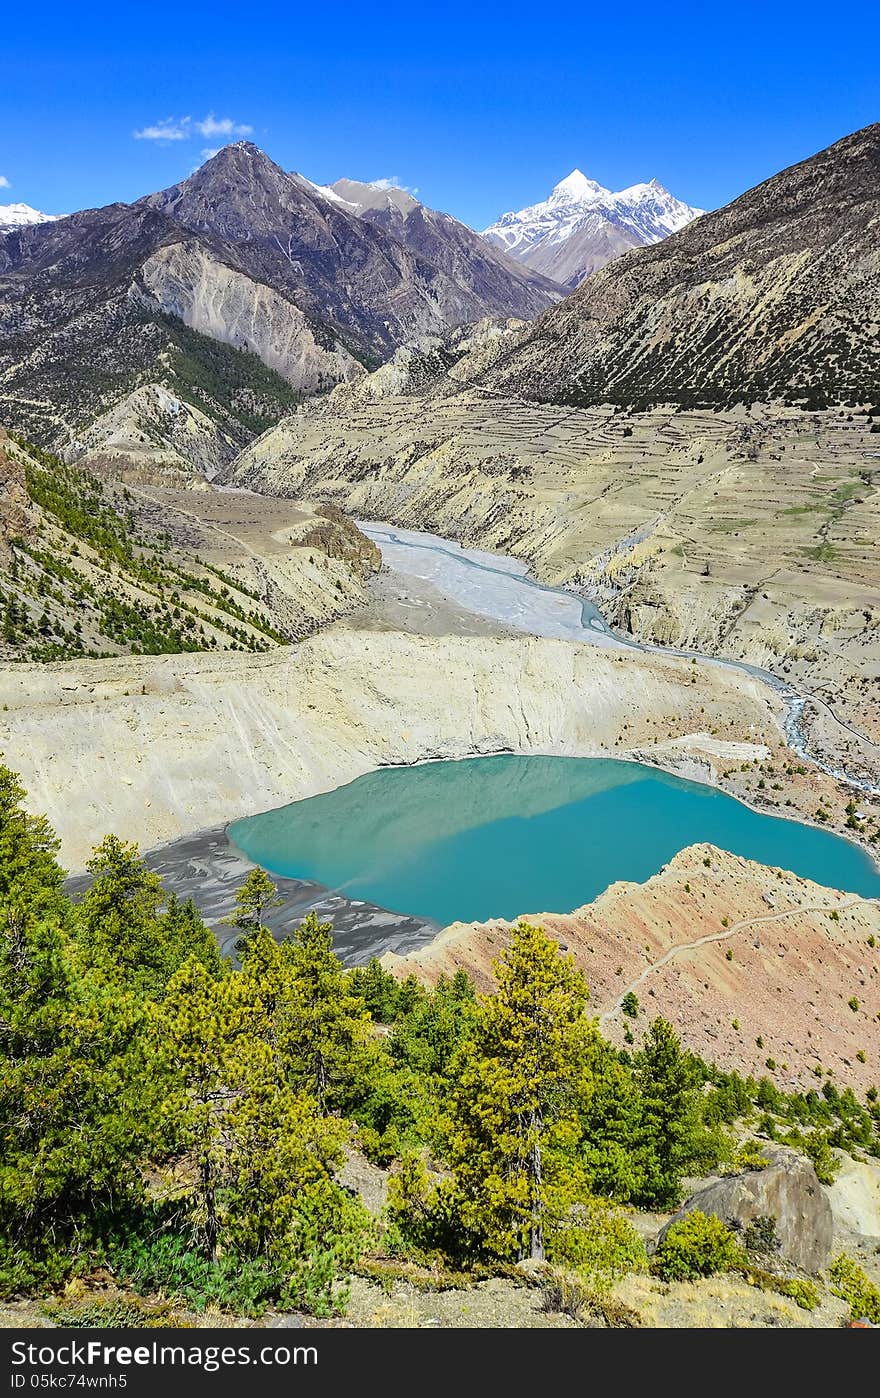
[
  {"x": 775, "y": 296},
  {"x": 88, "y": 569},
  {"x": 795, "y": 1015},
  {"x": 582, "y": 226},
  {"x": 80, "y": 331},
  {"x": 725, "y": 519},
  {"x": 505, "y": 288},
  {"x": 99, "y": 306}
]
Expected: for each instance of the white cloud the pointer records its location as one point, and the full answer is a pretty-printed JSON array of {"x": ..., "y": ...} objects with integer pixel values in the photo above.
[
  {"x": 4, "y": 183},
  {"x": 184, "y": 128},
  {"x": 393, "y": 182},
  {"x": 169, "y": 129},
  {"x": 222, "y": 126},
  {"x": 209, "y": 152}
]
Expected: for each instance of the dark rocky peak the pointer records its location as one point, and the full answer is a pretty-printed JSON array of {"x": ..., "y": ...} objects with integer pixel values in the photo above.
[{"x": 241, "y": 194}]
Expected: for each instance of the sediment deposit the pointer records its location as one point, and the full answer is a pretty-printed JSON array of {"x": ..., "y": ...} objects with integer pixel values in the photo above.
[{"x": 155, "y": 747}]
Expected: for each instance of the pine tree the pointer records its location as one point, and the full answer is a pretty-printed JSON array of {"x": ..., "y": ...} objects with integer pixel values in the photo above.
[
  {"x": 183, "y": 935},
  {"x": 122, "y": 933},
  {"x": 378, "y": 989},
  {"x": 262, "y": 1156},
  {"x": 197, "y": 1034},
  {"x": 611, "y": 1125},
  {"x": 673, "y": 1137},
  {"x": 323, "y": 1027},
  {"x": 427, "y": 1037},
  {"x": 253, "y": 900},
  {"x": 34, "y": 915},
  {"x": 520, "y": 1084},
  {"x": 117, "y": 919},
  {"x": 74, "y": 1111}
]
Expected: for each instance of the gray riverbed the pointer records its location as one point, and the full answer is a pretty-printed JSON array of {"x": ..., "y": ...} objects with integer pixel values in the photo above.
[{"x": 207, "y": 868}]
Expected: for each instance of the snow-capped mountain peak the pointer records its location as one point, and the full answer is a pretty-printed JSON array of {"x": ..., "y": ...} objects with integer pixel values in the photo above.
[
  {"x": 582, "y": 225},
  {"x": 22, "y": 215},
  {"x": 578, "y": 188}
]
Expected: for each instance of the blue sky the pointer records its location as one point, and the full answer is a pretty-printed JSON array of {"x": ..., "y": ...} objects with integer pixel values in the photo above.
[{"x": 481, "y": 107}]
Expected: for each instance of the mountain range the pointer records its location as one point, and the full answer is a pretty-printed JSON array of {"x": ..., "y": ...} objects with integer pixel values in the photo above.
[
  {"x": 775, "y": 297},
  {"x": 582, "y": 226},
  {"x": 166, "y": 334},
  {"x": 102, "y": 309},
  {"x": 461, "y": 254}
]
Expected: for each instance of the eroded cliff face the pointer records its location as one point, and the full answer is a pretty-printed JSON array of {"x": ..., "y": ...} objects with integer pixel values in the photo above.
[
  {"x": 152, "y": 748},
  {"x": 184, "y": 280},
  {"x": 18, "y": 516}
]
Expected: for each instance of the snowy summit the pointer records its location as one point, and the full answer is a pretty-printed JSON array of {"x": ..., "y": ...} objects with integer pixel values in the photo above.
[
  {"x": 582, "y": 225},
  {"x": 20, "y": 216}
]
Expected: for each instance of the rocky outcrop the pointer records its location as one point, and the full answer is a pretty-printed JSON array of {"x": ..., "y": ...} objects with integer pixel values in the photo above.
[
  {"x": 787, "y": 1191},
  {"x": 154, "y": 437},
  {"x": 18, "y": 515},
  {"x": 337, "y": 537},
  {"x": 855, "y": 1198}
]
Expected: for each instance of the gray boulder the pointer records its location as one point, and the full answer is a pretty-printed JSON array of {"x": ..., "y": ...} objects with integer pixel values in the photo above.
[{"x": 786, "y": 1191}]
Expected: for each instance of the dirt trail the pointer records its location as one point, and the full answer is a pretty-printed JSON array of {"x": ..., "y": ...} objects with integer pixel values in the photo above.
[{"x": 724, "y": 936}]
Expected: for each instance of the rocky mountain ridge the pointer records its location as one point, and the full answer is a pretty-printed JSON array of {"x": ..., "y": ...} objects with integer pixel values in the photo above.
[
  {"x": 776, "y": 296},
  {"x": 457, "y": 250},
  {"x": 236, "y": 291}
]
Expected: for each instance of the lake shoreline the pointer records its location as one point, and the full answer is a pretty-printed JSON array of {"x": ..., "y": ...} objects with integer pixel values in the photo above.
[
  {"x": 636, "y": 755},
  {"x": 226, "y": 737},
  {"x": 464, "y": 840},
  {"x": 511, "y": 594},
  {"x": 207, "y": 865}
]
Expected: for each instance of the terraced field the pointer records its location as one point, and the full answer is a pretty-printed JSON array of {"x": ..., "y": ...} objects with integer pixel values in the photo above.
[{"x": 745, "y": 533}]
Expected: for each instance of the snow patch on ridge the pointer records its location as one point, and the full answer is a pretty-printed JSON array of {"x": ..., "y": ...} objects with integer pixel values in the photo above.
[{"x": 22, "y": 216}]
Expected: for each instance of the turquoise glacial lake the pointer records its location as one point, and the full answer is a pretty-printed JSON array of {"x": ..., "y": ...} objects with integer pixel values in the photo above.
[{"x": 498, "y": 836}]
